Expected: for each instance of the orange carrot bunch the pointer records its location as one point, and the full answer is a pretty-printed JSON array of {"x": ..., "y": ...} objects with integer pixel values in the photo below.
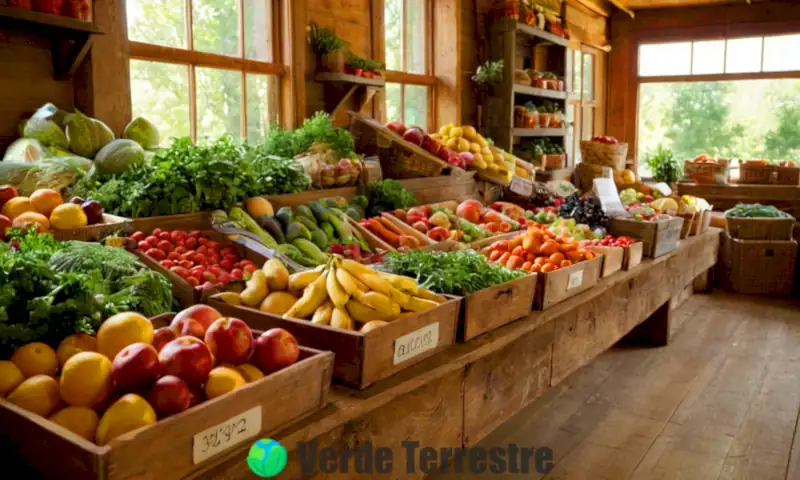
[{"x": 537, "y": 250}]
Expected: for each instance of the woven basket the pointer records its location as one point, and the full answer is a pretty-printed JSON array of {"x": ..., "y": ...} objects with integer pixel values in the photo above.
[
  {"x": 608, "y": 154},
  {"x": 758, "y": 174},
  {"x": 789, "y": 176}
]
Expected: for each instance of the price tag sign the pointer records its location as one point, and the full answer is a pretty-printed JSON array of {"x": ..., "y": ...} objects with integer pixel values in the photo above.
[
  {"x": 228, "y": 434},
  {"x": 416, "y": 343},
  {"x": 521, "y": 186},
  {"x": 575, "y": 280},
  {"x": 663, "y": 188},
  {"x": 606, "y": 192}
]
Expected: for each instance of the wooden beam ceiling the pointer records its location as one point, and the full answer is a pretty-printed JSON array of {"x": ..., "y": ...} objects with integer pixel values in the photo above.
[{"x": 642, "y": 4}]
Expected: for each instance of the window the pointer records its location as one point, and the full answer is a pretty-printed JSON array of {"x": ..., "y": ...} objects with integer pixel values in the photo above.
[
  {"x": 206, "y": 71},
  {"x": 581, "y": 109},
  {"x": 409, "y": 86}
]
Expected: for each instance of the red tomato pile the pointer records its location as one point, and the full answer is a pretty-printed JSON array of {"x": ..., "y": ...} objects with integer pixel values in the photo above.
[
  {"x": 200, "y": 261},
  {"x": 610, "y": 241}
]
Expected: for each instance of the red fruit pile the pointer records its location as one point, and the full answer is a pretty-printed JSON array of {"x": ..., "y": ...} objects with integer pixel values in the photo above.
[
  {"x": 200, "y": 261},
  {"x": 610, "y": 241}
]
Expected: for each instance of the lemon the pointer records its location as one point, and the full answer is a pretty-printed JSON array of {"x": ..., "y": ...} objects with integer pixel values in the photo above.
[
  {"x": 79, "y": 342},
  {"x": 456, "y": 132},
  {"x": 222, "y": 380},
  {"x": 86, "y": 380},
  {"x": 81, "y": 421},
  {"x": 38, "y": 394},
  {"x": 126, "y": 414},
  {"x": 10, "y": 377},
  {"x": 664, "y": 204},
  {"x": 68, "y": 216},
  {"x": 249, "y": 372},
  {"x": 36, "y": 359}
]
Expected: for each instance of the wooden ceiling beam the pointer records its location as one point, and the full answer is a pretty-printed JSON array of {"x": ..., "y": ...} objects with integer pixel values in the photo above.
[
  {"x": 642, "y": 4},
  {"x": 600, "y": 7},
  {"x": 622, "y": 5}
]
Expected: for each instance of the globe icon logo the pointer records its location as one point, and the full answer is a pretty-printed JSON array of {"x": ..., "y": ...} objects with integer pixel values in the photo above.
[{"x": 266, "y": 458}]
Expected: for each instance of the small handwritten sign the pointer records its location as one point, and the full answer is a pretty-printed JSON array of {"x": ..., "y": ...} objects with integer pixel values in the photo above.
[
  {"x": 416, "y": 343},
  {"x": 225, "y": 435},
  {"x": 521, "y": 186},
  {"x": 575, "y": 280}
]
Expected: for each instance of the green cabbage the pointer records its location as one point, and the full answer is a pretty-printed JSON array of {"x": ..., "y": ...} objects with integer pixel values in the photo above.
[
  {"x": 25, "y": 150},
  {"x": 142, "y": 131},
  {"x": 118, "y": 156},
  {"x": 86, "y": 136},
  {"x": 48, "y": 111},
  {"x": 46, "y": 131}
]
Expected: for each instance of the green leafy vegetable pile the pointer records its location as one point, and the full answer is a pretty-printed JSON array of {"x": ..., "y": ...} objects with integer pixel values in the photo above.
[
  {"x": 387, "y": 195},
  {"x": 51, "y": 289},
  {"x": 756, "y": 210},
  {"x": 454, "y": 273},
  {"x": 318, "y": 129}
]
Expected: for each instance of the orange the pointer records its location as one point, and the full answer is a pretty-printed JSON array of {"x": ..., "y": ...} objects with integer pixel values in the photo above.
[
  {"x": 36, "y": 359},
  {"x": 565, "y": 263},
  {"x": 548, "y": 267},
  {"x": 539, "y": 261},
  {"x": 45, "y": 200},
  {"x": 10, "y": 377},
  {"x": 17, "y": 206},
  {"x": 121, "y": 330},
  {"x": 222, "y": 380},
  {"x": 128, "y": 413},
  {"x": 536, "y": 268},
  {"x": 548, "y": 248},
  {"x": 574, "y": 256},
  {"x": 30, "y": 220},
  {"x": 81, "y": 421},
  {"x": 86, "y": 380},
  {"x": 38, "y": 394},
  {"x": 76, "y": 343},
  {"x": 557, "y": 258},
  {"x": 249, "y": 372}
]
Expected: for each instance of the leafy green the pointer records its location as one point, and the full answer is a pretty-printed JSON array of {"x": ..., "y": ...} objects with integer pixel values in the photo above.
[
  {"x": 665, "y": 167},
  {"x": 454, "y": 273},
  {"x": 317, "y": 129},
  {"x": 325, "y": 41},
  {"x": 363, "y": 63},
  {"x": 756, "y": 210},
  {"x": 387, "y": 195},
  {"x": 489, "y": 73}
]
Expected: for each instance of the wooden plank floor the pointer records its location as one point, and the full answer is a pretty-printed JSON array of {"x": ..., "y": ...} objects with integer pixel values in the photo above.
[{"x": 720, "y": 402}]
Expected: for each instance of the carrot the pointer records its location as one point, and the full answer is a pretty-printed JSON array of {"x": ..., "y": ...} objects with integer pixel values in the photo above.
[
  {"x": 504, "y": 258},
  {"x": 389, "y": 225},
  {"x": 386, "y": 235},
  {"x": 495, "y": 255},
  {"x": 408, "y": 241}
]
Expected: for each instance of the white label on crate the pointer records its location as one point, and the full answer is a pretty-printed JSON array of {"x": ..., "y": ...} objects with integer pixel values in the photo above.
[
  {"x": 521, "y": 186},
  {"x": 607, "y": 194},
  {"x": 227, "y": 434},
  {"x": 416, "y": 343},
  {"x": 663, "y": 188},
  {"x": 575, "y": 280}
]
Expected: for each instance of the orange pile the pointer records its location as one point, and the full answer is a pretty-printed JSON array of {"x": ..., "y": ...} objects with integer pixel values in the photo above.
[{"x": 537, "y": 250}]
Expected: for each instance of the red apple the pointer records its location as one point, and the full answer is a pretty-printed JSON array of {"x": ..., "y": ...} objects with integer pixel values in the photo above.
[
  {"x": 169, "y": 395},
  {"x": 470, "y": 210},
  {"x": 162, "y": 336},
  {"x": 188, "y": 359},
  {"x": 230, "y": 340},
  {"x": 196, "y": 396},
  {"x": 467, "y": 158},
  {"x": 431, "y": 144},
  {"x": 203, "y": 314},
  {"x": 455, "y": 160},
  {"x": 188, "y": 327},
  {"x": 444, "y": 153},
  {"x": 275, "y": 349},
  {"x": 414, "y": 135},
  {"x": 135, "y": 367},
  {"x": 396, "y": 127},
  {"x": 5, "y": 224},
  {"x": 7, "y": 192}
]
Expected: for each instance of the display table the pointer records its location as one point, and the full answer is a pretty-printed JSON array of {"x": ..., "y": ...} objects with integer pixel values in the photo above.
[
  {"x": 460, "y": 395},
  {"x": 723, "y": 197}
]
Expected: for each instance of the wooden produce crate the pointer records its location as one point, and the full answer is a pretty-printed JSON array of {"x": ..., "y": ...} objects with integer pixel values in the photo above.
[
  {"x": 688, "y": 221},
  {"x": 757, "y": 174},
  {"x": 765, "y": 267},
  {"x": 186, "y": 221},
  {"x": 93, "y": 233},
  {"x": 399, "y": 158},
  {"x": 362, "y": 359},
  {"x": 659, "y": 238},
  {"x": 557, "y": 286},
  {"x": 436, "y": 189},
  {"x": 177, "y": 446},
  {"x": 407, "y": 229},
  {"x": 374, "y": 241},
  {"x": 700, "y": 223},
  {"x": 759, "y": 228},
  {"x": 494, "y": 307},
  {"x": 613, "y": 259},
  {"x": 633, "y": 256},
  {"x": 788, "y": 176},
  {"x": 707, "y": 173}
]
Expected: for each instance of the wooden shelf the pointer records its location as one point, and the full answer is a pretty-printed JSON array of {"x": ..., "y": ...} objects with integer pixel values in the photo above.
[
  {"x": 347, "y": 78},
  {"x": 539, "y": 132},
  {"x": 72, "y": 38},
  {"x": 539, "y": 33},
  {"x": 540, "y": 92}
]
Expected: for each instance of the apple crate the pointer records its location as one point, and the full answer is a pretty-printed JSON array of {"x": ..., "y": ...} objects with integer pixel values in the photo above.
[
  {"x": 180, "y": 445},
  {"x": 659, "y": 238},
  {"x": 361, "y": 359},
  {"x": 92, "y": 233},
  {"x": 633, "y": 256},
  {"x": 613, "y": 259},
  {"x": 564, "y": 283}
]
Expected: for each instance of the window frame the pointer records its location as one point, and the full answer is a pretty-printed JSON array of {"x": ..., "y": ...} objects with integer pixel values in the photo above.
[
  {"x": 404, "y": 78},
  {"x": 192, "y": 59},
  {"x": 582, "y": 106}
]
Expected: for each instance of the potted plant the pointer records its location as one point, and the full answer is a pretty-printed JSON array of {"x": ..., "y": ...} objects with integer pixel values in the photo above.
[
  {"x": 330, "y": 49},
  {"x": 664, "y": 166},
  {"x": 362, "y": 67},
  {"x": 487, "y": 75}
]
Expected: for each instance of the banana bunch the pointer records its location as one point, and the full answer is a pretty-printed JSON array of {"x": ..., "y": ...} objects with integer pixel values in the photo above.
[{"x": 344, "y": 293}]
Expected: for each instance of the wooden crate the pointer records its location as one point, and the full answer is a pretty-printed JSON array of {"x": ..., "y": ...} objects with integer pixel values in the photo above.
[
  {"x": 765, "y": 267},
  {"x": 362, "y": 359},
  {"x": 555, "y": 287},
  {"x": 757, "y": 174},
  {"x": 700, "y": 223},
  {"x": 659, "y": 238},
  {"x": 686, "y": 228},
  {"x": 407, "y": 229},
  {"x": 302, "y": 198},
  {"x": 172, "y": 447},
  {"x": 788, "y": 176},
  {"x": 613, "y": 258},
  {"x": 437, "y": 189},
  {"x": 633, "y": 256},
  {"x": 494, "y": 307},
  {"x": 92, "y": 233},
  {"x": 707, "y": 173},
  {"x": 186, "y": 221},
  {"x": 759, "y": 228}
]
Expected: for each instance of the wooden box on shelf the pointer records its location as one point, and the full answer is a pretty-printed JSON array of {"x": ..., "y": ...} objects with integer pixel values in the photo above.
[
  {"x": 633, "y": 256},
  {"x": 557, "y": 286},
  {"x": 758, "y": 173},
  {"x": 659, "y": 238},
  {"x": 613, "y": 259},
  {"x": 788, "y": 176},
  {"x": 493, "y": 307}
]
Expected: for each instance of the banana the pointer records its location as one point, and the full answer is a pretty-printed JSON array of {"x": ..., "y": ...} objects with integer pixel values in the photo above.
[
  {"x": 231, "y": 298},
  {"x": 401, "y": 298},
  {"x": 350, "y": 284},
  {"x": 428, "y": 295},
  {"x": 381, "y": 303},
  {"x": 404, "y": 284},
  {"x": 417, "y": 304},
  {"x": 313, "y": 296},
  {"x": 370, "y": 278},
  {"x": 322, "y": 316},
  {"x": 363, "y": 314},
  {"x": 340, "y": 319},
  {"x": 300, "y": 280},
  {"x": 336, "y": 293}
]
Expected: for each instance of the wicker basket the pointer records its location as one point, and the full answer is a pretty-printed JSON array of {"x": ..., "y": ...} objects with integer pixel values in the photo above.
[
  {"x": 789, "y": 176},
  {"x": 753, "y": 173},
  {"x": 707, "y": 173},
  {"x": 763, "y": 267},
  {"x": 759, "y": 228},
  {"x": 608, "y": 154}
]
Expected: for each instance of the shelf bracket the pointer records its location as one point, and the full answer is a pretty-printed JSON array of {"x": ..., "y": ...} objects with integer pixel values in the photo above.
[{"x": 68, "y": 53}]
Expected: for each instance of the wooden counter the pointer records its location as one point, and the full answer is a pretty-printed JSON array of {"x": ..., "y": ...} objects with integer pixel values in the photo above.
[
  {"x": 723, "y": 197},
  {"x": 460, "y": 395}
]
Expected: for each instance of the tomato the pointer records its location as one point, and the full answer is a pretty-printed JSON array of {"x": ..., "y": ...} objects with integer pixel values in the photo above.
[
  {"x": 556, "y": 258},
  {"x": 224, "y": 278},
  {"x": 181, "y": 250},
  {"x": 165, "y": 246},
  {"x": 178, "y": 270},
  {"x": 209, "y": 277},
  {"x": 237, "y": 273},
  {"x": 188, "y": 256},
  {"x": 249, "y": 268},
  {"x": 504, "y": 258},
  {"x": 164, "y": 236},
  {"x": 156, "y": 232},
  {"x": 500, "y": 245},
  {"x": 232, "y": 258},
  {"x": 226, "y": 264},
  {"x": 202, "y": 240},
  {"x": 186, "y": 264},
  {"x": 156, "y": 254},
  {"x": 214, "y": 259},
  {"x": 198, "y": 274},
  {"x": 190, "y": 242},
  {"x": 173, "y": 255},
  {"x": 213, "y": 244},
  {"x": 177, "y": 235},
  {"x": 144, "y": 245},
  {"x": 167, "y": 263},
  {"x": 195, "y": 233},
  {"x": 548, "y": 248},
  {"x": 505, "y": 227},
  {"x": 494, "y": 255},
  {"x": 565, "y": 263},
  {"x": 216, "y": 270},
  {"x": 151, "y": 240},
  {"x": 138, "y": 236},
  {"x": 548, "y": 267},
  {"x": 228, "y": 251},
  {"x": 193, "y": 282},
  {"x": 526, "y": 266},
  {"x": 202, "y": 250},
  {"x": 518, "y": 251},
  {"x": 200, "y": 258}
]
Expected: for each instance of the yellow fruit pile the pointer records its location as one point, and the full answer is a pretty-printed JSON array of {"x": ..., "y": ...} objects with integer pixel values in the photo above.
[
  {"x": 44, "y": 209},
  {"x": 343, "y": 294},
  {"x": 467, "y": 139}
]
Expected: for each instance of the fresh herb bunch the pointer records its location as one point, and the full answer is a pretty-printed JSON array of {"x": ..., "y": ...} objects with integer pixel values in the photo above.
[
  {"x": 756, "y": 210},
  {"x": 325, "y": 41},
  {"x": 664, "y": 166},
  {"x": 387, "y": 195},
  {"x": 363, "y": 63},
  {"x": 490, "y": 73},
  {"x": 454, "y": 273},
  {"x": 584, "y": 210}
]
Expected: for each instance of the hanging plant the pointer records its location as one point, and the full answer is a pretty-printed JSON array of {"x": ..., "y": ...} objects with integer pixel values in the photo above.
[{"x": 490, "y": 73}]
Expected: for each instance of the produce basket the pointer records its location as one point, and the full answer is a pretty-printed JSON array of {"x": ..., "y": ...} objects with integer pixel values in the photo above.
[
  {"x": 710, "y": 173},
  {"x": 659, "y": 238},
  {"x": 399, "y": 158},
  {"x": 758, "y": 174},
  {"x": 743, "y": 228},
  {"x": 633, "y": 256},
  {"x": 701, "y": 222},
  {"x": 613, "y": 259},
  {"x": 609, "y": 154},
  {"x": 763, "y": 267},
  {"x": 93, "y": 233},
  {"x": 789, "y": 176},
  {"x": 564, "y": 283},
  {"x": 491, "y": 308}
]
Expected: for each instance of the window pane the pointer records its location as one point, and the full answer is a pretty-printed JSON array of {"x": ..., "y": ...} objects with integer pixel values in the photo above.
[
  {"x": 587, "y": 121},
  {"x": 570, "y": 120},
  {"x": 708, "y": 57},
  {"x": 577, "y": 64},
  {"x": 262, "y": 105},
  {"x": 744, "y": 55},
  {"x": 157, "y": 22},
  {"x": 215, "y": 27},
  {"x": 588, "y": 76},
  {"x": 416, "y": 107},
  {"x": 782, "y": 54},
  {"x": 160, "y": 93},
  {"x": 415, "y": 36},
  {"x": 665, "y": 59},
  {"x": 393, "y": 14},
  {"x": 394, "y": 102},
  {"x": 219, "y": 103},
  {"x": 258, "y": 30}
]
